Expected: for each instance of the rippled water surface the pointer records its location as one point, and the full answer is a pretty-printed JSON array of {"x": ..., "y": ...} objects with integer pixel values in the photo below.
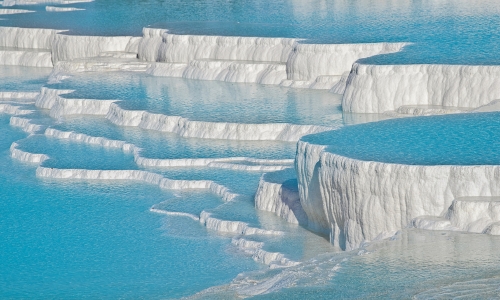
[
  {"x": 461, "y": 139},
  {"x": 16, "y": 78}
]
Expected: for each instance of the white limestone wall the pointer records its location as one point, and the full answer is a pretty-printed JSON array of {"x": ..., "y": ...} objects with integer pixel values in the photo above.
[
  {"x": 381, "y": 88},
  {"x": 309, "y": 61},
  {"x": 272, "y": 259},
  {"x": 67, "y": 47},
  {"x": 33, "y": 38},
  {"x": 306, "y": 165},
  {"x": 185, "y": 48},
  {"x": 474, "y": 214},
  {"x": 47, "y": 98},
  {"x": 322, "y": 82},
  {"x": 149, "y": 45},
  {"x": 160, "y": 46},
  {"x": 230, "y": 71},
  {"x": 340, "y": 86},
  {"x": 26, "y": 58},
  {"x": 233, "y": 59},
  {"x": 227, "y": 71},
  {"x": 280, "y": 199},
  {"x": 96, "y": 64},
  {"x": 356, "y": 201},
  {"x": 469, "y": 214}
]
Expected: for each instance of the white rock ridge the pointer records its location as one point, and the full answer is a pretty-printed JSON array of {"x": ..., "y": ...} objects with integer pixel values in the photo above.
[
  {"x": 34, "y": 2},
  {"x": 26, "y": 156},
  {"x": 19, "y": 96},
  {"x": 7, "y": 11},
  {"x": 136, "y": 175},
  {"x": 234, "y": 163},
  {"x": 62, "y": 9},
  {"x": 26, "y": 125},
  {"x": 272, "y": 259},
  {"x": 233, "y": 227}
]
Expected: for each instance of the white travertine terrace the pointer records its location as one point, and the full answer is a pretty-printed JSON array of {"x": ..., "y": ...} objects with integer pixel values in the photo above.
[
  {"x": 26, "y": 156},
  {"x": 68, "y": 47},
  {"x": 235, "y": 227},
  {"x": 26, "y": 58},
  {"x": 34, "y": 2},
  {"x": 272, "y": 259},
  {"x": 277, "y": 61},
  {"x": 7, "y": 11},
  {"x": 234, "y": 163},
  {"x": 161, "y": 46},
  {"x": 17, "y": 96},
  {"x": 31, "y": 38},
  {"x": 59, "y": 106},
  {"x": 308, "y": 61},
  {"x": 381, "y": 88},
  {"x": 252, "y": 59},
  {"x": 471, "y": 214},
  {"x": 13, "y": 109},
  {"x": 349, "y": 200},
  {"x": 356, "y": 201},
  {"x": 136, "y": 175},
  {"x": 228, "y": 71}
]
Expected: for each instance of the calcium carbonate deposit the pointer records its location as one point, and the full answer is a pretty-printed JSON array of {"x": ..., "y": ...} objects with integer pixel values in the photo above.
[{"x": 276, "y": 150}]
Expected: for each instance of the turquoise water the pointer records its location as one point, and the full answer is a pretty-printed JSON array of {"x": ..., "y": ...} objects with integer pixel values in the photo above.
[
  {"x": 66, "y": 155},
  {"x": 16, "y": 78},
  {"x": 211, "y": 101},
  {"x": 461, "y": 139},
  {"x": 98, "y": 239},
  {"x": 64, "y": 239},
  {"x": 416, "y": 265},
  {"x": 451, "y": 32}
]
